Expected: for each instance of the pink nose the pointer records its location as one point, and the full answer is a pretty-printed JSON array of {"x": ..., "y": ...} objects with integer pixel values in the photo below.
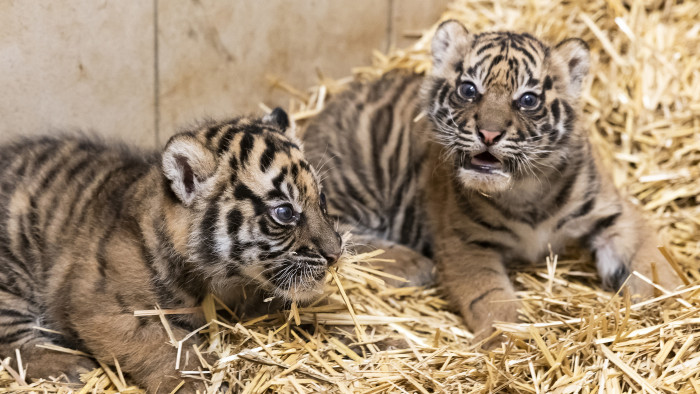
[{"x": 490, "y": 137}]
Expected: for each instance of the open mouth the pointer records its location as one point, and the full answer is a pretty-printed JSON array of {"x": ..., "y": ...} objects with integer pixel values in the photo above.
[{"x": 483, "y": 162}]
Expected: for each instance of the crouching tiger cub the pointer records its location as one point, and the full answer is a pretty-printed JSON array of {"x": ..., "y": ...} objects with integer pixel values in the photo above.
[
  {"x": 91, "y": 232},
  {"x": 498, "y": 169}
]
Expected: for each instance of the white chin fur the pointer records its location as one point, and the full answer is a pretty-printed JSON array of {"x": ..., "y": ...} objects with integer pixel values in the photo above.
[
  {"x": 304, "y": 295},
  {"x": 496, "y": 181}
]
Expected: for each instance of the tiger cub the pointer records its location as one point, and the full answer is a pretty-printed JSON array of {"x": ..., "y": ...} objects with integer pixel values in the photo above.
[
  {"x": 91, "y": 232},
  {"x": 498, "y": 169}
]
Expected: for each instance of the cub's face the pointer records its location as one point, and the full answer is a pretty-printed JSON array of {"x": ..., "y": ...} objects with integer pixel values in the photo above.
[
  {"x": 258, "y": 213},
  {"x": 503, "y": 105}
]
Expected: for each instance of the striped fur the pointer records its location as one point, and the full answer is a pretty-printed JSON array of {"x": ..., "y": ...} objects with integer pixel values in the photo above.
[
  {"x": 90, "y": 232},
  {"x": 487, "y": 178}
]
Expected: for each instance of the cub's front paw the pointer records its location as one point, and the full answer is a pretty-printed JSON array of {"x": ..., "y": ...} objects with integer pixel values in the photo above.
[
  {"x": 166, "y": 384},
  {"x": 485, "y": 333},
  {"x": 615, "y": 275},
  {"x": 55, "y": 364},
  {"x": 485, "y": 312},
  {"x": 408, "y": 264}
]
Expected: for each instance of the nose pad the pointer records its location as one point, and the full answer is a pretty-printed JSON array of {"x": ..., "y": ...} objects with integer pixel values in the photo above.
[
  {"x": 489, "y": 137},
  {"x": 331, "y": 258}
]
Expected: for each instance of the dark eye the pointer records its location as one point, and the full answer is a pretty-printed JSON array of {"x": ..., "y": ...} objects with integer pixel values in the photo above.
[
  {"x": 283, "y": 214},
  {"x": 324, "y": 207},
  {"x": 528, "y": 101},
  {"x": 467, "y": 90}
]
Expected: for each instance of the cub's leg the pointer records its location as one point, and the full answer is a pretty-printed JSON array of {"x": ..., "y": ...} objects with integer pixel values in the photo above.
[
  {"x": 477, "y": 282},
  {"x": 43, "y": 363},
  {"x": 18, "y": 316},
  {"x": 623, "y": 243},
  {"x": 407, "y": 263},
  {"x": 142, "y": 348}
]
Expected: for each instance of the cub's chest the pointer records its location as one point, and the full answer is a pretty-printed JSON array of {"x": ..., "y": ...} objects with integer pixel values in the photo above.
[{"x": 532, "y": 243}]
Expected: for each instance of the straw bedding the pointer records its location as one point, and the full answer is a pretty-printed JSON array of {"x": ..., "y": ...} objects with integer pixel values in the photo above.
[{"x": 642, "y": 106}]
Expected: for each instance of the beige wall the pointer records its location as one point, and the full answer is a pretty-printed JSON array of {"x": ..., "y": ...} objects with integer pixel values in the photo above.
[{"x": 99, "y": 65}]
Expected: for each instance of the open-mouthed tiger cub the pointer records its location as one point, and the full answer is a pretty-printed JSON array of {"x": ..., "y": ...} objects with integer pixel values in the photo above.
[
  {"x": 91, "y": 232},
  {"x": 498, "y": 169}
]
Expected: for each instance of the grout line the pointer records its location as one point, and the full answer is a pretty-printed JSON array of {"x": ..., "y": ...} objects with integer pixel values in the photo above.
[
  {"x": 156, "y": 76},
  {"x": 390, "y": 27}
]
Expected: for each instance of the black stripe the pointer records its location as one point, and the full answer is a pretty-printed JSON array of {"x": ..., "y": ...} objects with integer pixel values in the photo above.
[
  {"x": 565, "y": 191},
  {"x": 555, "y": 111},
  {"x": 432, "y": 93},
  {"x": 225, "y": 141},
  {"x": 268, "y": 155},
  {"x": 14, "y": 313},
  {"x": 581, "y": 211},
  {"x": 408, "y": 224},
  {"x": 17, "y": 322},
  {"x": 493, "y": 227},
  {"x": 478, "y": 64},
  {"x": 532, "y": 82},
  {"x": 484, "y": 48},
  {"x": 211, "y": 133},
  {"x": 208, "y": 228},
  {"x": 547, "y": 83},
  {"x": 527, "y": 54},
  {"x": 124, "y": 306},
  {"x": 234, "y": 221},
  {"x": 15, "y": 336},
  {"x": 482, "y": 296},
  {"x": 600, "y": 225},
  {"x": 443, "y": 93},
  {"x": 39, "y": 161},
  {"x": 247, "y": 143},
  {"x": 11, "y": 288},
  {"x": 489, "y": 245},
  {"x": 264, "y": 227},
  {"x": 233, "y": 163},
  {"x": 470, "y": 211},
  {"x": 116, "y": 194},
  {"x": 497, "y": 59},
  {"x": 179, "y": 270},
  {"x": 277, "y": 181},
  {"x": 101, "y": 251},
  {"x": 382, "y": 122},
  {"x": 162, "y": 290},
  {"x": 242, "y": 192},
  {"x": 570, "y": 117}
]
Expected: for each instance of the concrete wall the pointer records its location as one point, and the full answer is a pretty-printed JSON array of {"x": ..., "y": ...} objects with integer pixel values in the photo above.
[{"x": 141, "y": 69}]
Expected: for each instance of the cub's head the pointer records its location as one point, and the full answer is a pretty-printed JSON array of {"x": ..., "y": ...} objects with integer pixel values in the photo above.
[
  {"x": 252, "y": 206},
  {"x": 503, "y": 104}
]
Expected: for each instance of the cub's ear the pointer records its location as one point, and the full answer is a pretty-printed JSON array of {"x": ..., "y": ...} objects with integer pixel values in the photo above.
[
  {"x": 575, "y": 58},
  {"x": 187, "y": 163},
  {"x": 449, "y": 45},
  {"x": 279, "y": 118}
]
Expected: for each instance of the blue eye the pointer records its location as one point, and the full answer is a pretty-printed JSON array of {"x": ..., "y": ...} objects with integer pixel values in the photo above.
[
  {"x": 528, "y": 101},
  {"x": 284, "y": 214},
  {"x": 467, "y": 90}
]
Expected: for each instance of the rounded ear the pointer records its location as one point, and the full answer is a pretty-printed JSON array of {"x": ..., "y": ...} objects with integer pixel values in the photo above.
[
  {"x": 574, "y": 55},
  {"x": 449, "y": 44},
  {"x": 279, "y": 118},
  {"x": 187, "y": 163}
]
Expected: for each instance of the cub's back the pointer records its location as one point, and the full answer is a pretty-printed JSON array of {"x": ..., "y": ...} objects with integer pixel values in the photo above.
[
  {"x": 369, "y": 146},
  {"x": 53, "y": 192}
]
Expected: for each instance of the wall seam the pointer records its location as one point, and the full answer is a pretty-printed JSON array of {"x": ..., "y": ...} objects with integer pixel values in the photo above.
[
  {"x": 390, "y": 27},
  {"x": 156, "y": 76}
]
